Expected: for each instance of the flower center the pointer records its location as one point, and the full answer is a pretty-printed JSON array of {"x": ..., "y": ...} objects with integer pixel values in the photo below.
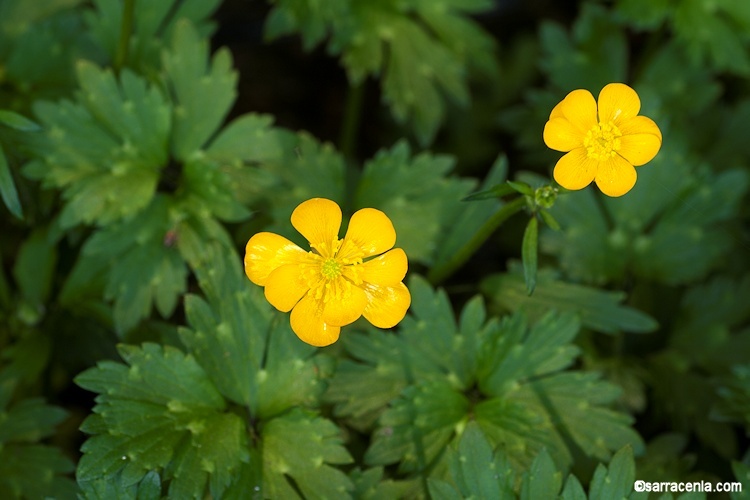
[
  {"x": 330, "y": 269},
  {"x": 603, "y": 141}
]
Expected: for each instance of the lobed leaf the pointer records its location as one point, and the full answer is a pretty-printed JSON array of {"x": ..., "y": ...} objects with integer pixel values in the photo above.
[
  {"x": 160, "y": 411},
  {"x": 311, "y": 472},
  {"x": 598, "y": 310}
]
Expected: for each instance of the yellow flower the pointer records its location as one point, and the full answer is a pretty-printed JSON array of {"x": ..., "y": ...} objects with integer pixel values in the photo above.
[
  {"x": 603, "y": 141},
  {"x": 339, "y": 280}
]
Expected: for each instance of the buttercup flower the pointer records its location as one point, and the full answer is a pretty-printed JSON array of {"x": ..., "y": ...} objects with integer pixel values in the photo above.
[
  {"x": 603, "y": 140},
  {"x": 339, "y": 280}
]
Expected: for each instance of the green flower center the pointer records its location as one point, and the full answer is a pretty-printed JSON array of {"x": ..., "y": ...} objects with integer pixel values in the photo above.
[
  {"x": 603, "y": 141},
  {"x": 330, "y": 269}
]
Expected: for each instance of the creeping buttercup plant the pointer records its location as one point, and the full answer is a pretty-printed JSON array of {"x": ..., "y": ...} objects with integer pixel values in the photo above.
[{"x": 493, "y": 285}]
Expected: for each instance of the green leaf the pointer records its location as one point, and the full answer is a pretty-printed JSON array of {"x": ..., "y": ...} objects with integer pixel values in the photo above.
[
  {"x": 8, "y": 187},
  {"x": 720, "y": 37},
  {"x": 646, "y": 14},
  {"x": 104, "y": 151},
  {"x": 549, "y": 220},
  {"x": 598, "y": 310},
  {"x": 249, "y": 138},
  {"x": 250, "y": 353},
  {"x": 672, "y": 237},
  {"x": 26, "y": 359},
  {"x": 154, "y": 22},
  {"x": 593, "y": 55},
  {"x": 18, "y": 122},
  {"x": 529, "y": 253},
  {"x": 203, "y": 91},
  {"x": 418, "y": 426},
  {"x": 734, "y": 391},
  {"x": 616, "y": 480},
  {"x": 385, "y": 363},
  {"x": 35, "y": 471},
  {"x": 476, "y": 471},
  {"x": 29, "y": 420},
  {"x": 683, "y": 394},
  {"x": 15, "y": 20},
  {"x": 208, "y": 189},
  {"x": 311, "y": 471},
  {"x": 141, "y": 268},
  {"x": 370, "y": 484},
  {"x": 742, "y": 473},
  {"x": 385, "y": 38},
  {"x": 306, "y": 169},
  {"x": 111, "y": 488},
  {"x": 524, "y": 353},
  {"x": 416, "y": 194},
  {"x": 34, "y": 269},
  {"x": 160, "y": 412},
  {"x": 436, "y": 375},
  {"x": 542, "y": 480},
  {"x": 521, "y": 187},
  {"x": 707, "y": 314},
  {"x": 496, "y": 191}
]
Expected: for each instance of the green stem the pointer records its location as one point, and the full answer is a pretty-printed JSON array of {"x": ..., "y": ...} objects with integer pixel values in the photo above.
[
  {"x": 439, "y": 273},
  {"x": 352, "y": 116},
  {"x": 126, "y": 28}
]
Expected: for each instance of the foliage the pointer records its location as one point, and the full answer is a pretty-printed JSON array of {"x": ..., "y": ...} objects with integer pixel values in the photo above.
[{"x": 559, "y": 344}]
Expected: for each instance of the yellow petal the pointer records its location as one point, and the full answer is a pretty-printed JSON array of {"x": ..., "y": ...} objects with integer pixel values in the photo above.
[
  {"x": 370, "y": 231},
  {"x": 348, "y": 308},
  {"x": 318, "y": 220},
  {"x": 557, "y": 111},
  {"x": 285, "y": 286},
  {"x": 579, "y": 108},
  {"x": 639, "y": 149},
  {"x": 265, "y": 252},
  {"x": 575, "y": 170},
  {"x": 387, "y": 270},
  {"x": 615, "y": 177},
  {"x": 618, "y": 102},
  {"x": 639, "y": 125},
  {"x": 387, "y": 304},
  {"x": 307, "y": 322},
  {"x": 561, "y": 135}
]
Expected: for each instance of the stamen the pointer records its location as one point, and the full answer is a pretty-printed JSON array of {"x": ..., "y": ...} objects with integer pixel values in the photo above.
[{"x": 602, "y": 141}]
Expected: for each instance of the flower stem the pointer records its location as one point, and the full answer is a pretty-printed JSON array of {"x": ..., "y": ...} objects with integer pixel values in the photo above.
[
  {"x": 352, "y": 115},
  {"x": 126, "y": 29},
  {"x": 439, "y": 273}
]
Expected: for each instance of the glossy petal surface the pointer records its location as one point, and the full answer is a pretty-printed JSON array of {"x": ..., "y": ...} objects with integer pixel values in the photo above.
[
  {"x": 575, "y": 170},
  {"x": 616, "y": 177},
  {"x": 618, "y": 102},
  {"x": 265, "y": 252},
  {"x": 387, "y": 304},
  {"x": 318, "y": 220},
  {"x": 307, "y": 322}
]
